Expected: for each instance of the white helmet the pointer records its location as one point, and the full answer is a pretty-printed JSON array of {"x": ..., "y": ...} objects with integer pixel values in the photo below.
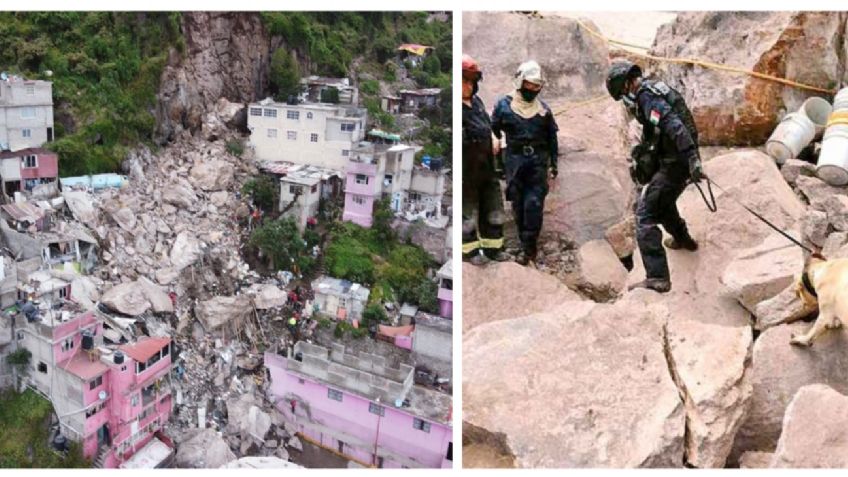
[{"x": 529, "y": 71}]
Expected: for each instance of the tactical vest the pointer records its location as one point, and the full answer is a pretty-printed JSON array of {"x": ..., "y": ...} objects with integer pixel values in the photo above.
[{"x": 677, "y": 103}]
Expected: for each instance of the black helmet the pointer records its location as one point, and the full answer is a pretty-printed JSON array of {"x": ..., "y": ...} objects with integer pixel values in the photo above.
[{"x": 619, "y": 73}]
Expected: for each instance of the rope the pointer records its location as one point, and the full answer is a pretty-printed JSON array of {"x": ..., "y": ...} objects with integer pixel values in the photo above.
[
  {"x": 705, "y": 64},
  {"x": 580, "y": 104}
]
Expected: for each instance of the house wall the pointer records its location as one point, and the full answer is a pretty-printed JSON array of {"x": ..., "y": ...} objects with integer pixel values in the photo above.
[
  {"x": 361, "y": 214},
  {"x": 350, "y": 422},
  {"x": 328, "y": 151},
  {"x": 13, "y": 99},
  {"x": 47, "y": 167},
  {"x": 10, "y": 168},
  {"x": 307, "y": 202}
]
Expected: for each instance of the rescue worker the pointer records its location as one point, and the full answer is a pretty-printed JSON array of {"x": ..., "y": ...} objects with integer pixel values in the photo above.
[
  {"x": 666, "y": 159},
  {"x": 482, "y": 206},
  {"x": 530, "y": 155}
]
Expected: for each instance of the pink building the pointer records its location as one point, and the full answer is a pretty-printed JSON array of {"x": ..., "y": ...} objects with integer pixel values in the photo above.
[
  {"x": 25, "y": 169},
  {"x": 362, "y": 189},
  {"x": 113, "y": 399},
  {"x": 362, "y": 408},
  {"x": 445, "y": 296}
]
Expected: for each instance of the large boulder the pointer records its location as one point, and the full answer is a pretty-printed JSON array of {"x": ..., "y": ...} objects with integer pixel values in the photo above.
[
  {"x": 185, "y": 251},
  {"x": 204, "y": 450},
  {"x": 158, "y": 298},
  {"x": 710, "y": 363},
  {"x": 501, "y": 291},
  {"x": 126, "y": 298},
  {"x": 761, "y": 272},
  {"x": 779, "y": 371},
  {"x": 267, "y": 296},
  {"x": 785, "y": 307},
  {"x": 574, "y": 62},
  {"x": 815, "y": 430},
  {"x": 575, "y": 387},
  {"x": 602, "y": 276},
  {"x": 733, "y": 109},
  {"x": 223, "y": 310},
  {"x": 179, "y": 194},
  {"x": 246, "y": 418},
  {"x": 213, "y": 175}
]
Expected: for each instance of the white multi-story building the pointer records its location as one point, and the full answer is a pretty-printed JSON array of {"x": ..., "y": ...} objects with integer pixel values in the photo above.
[
  {"x": 308, "y": 133},
  {"x": 26, "y": 113}
]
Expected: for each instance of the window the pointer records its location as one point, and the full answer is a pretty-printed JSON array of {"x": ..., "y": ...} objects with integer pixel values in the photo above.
[
  {"x": 313, "y": 137},
  {"x": 358, "y": 199},
  {"x": 42, "y": 368},
  {"x": 291, "y": 135},
  {"x": 153, "y": 360},
  {"x": 270, "y": 113},
  {"x": 447, "y": 284},
  {"x": 30, "y": 161},
  {"x": 345, "y": 152},
  {"x": 361, "y": 179},
  {"x": 308, "y": 115},
  {"x": 28, "y": 113},
  {"x": 95, "y": 383},
  {"x": 94, "y": 410},
  {"x": 272, "y": 133},
  {"x": 292, "y": 114},
  {"x": 134, "y": 400},
  {"x": 256, "y": 111},
  {"x": 30, "y": 89},
  {"x": 421, "y": 425},
  {"x": 315, "y": 188},
  {"x": 166, "y": 350},
  {"x": 348, "y": 127},
  {"x": 449, "y": 455},
  {"x": 415, "y": 196},
  {"x": 376, "y": 409},
  {"x": 334, "y": 395},
  {"x": 63, "y": 292},
  {"x": 388, "y": 179},
  {"x": 26, "y": 132},
  {"x": 68, "y": 344},
  {"x": 294, "y": 189},
  {"x": 140, "y": 367}
]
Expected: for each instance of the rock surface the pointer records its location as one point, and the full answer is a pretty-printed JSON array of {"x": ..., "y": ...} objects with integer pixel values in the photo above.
[
  {"x": 212, "y": 175},
  {"x": 785, "y": 307},
  {"x": 223, "y": 310},
  {"x": 613, "y": 397},
  {"x": 738, "y": 109},
  {"x": 815, "y": 430},
  {"x": 267, "y": 296},
  {"x": 127, "y": 298},
  {"x": 602, "y": 276},
  {"x": 205, "y": 450},
  {"x": 185, "y": 250},
  {"x": 779, "y": 371},
  {"x": 711, "y": 367},
  {"x": 491, "y": 293},
  {"x": 761, "y": 272}
]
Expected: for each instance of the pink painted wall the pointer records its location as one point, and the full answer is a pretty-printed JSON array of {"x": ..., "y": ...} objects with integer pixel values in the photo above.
[
  {"x": 48, "y": 167},
  {"x": 404, "y": 342},
  {"x": 352, "y": 417},
  {"x": 358, "y": 214},
  {"x": 355, "y": 167}
]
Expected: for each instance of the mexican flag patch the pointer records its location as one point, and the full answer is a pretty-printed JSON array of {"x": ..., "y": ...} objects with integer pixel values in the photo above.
[{"x": 655, "y": 117}]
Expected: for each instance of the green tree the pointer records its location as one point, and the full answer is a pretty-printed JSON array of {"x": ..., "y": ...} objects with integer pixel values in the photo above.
[
  {"x": 374, "y": 314},
  {"x": 264, "y": 191},
  {"x": 349, "y": 258},
  {"x": 382, "y": 223},
  {"x": 330, "y": 95},
  {"x": 281, "y": 242},
  {"x": 432, "y": 64},
  {"x": 285, "y": 75}
]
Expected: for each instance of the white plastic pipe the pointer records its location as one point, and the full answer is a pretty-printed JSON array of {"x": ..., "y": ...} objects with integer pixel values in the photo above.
[
  {"x": 792, "y": 135},
  {"x": 818, "y": 111},
  {"x": 833, "y": 159}
]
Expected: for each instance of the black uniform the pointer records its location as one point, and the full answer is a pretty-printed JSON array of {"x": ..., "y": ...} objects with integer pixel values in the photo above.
[
  {"x": 676, "y": 148},
  {"x": 481, "y": 189},
  {"x": 531, "y": 148}
]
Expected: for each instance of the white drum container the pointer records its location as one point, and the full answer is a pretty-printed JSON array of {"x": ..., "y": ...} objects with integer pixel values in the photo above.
[
  {"x": 833, "y": 159},
  {"x": 841, "y": 100},
  {"x": 818, "y": 111},
  {"x": 792, "y": 135}
]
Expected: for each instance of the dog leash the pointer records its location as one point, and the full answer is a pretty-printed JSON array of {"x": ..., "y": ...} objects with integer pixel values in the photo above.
[{"x": 754, "y": 213}]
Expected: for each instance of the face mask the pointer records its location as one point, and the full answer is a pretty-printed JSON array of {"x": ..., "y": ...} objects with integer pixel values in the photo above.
[{"x": 528, "y": 95}]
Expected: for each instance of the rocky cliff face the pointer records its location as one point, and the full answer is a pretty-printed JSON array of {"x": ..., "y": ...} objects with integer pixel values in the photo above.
[
  {"x": 227, "y": 55},
  {"x": 739, "y": 110}
]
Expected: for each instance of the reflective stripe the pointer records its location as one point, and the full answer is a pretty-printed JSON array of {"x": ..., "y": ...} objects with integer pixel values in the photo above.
[{"x": 469, "y": 247}]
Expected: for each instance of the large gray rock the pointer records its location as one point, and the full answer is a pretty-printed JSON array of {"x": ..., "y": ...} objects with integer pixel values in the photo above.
[
  {"x": 223, "y": 310},
  {"x": 127, "y": 298},
  {"x": 205, "y": 450},
  {"x": 815, "y": 430},
  {"x": 836, "y": 245},
  {"x": 179, "y": 194},
  {"x": 581, "y": 386},
  {"x": 212, "y": 175},
  {"x": 602, "y": 276},
  {"x": 710, "y": 363},
  {"x": 814, "y": 227},
  {"x": 785, "y": 307},
  {"x": 125, "y": 218},
  {"x": 185, "y": 251},
  {"x": 761, "y": 272},
  {"x": 84, "y": 291},
  {"x": 247, "y": 419},
  {"x": 733, "y": 109},
  {"x": 267, "y": 296},
  {"x": 793, "y": 168},
  {"x": 490, "y": 293},
  {"x": 818, "y": 192},
  {"x": 836, "y": 207},
  {"x": 158, "y": 298},
  {"x": 779, "y": 371}
]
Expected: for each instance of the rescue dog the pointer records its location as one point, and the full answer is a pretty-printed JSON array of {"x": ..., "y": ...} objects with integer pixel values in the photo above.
[{"x": 823, "y": 283}]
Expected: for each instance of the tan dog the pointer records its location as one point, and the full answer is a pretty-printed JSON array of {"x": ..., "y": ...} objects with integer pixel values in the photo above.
[{"x": 824, "y": 282}]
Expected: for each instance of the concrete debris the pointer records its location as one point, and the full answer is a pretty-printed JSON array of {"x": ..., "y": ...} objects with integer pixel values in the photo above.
[
  {"x": 223, "y": 310},
  {"x": 204, "y": 450},
  {"x": 261, "y": 463}
]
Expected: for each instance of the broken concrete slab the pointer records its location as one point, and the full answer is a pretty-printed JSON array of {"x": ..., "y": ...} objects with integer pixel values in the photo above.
[
  {"x": 815, "y": 430},
  {"x": 185, "y": 251},
  {"x": 204, "y": 450}
]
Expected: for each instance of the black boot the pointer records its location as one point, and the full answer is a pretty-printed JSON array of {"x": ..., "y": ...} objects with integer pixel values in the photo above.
[
  {"x": 528, "y": 254},
  {"x": 497, "y": 255},
  {"x": 687, "y": 244},
  {"x": 660, "y": 285}
]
